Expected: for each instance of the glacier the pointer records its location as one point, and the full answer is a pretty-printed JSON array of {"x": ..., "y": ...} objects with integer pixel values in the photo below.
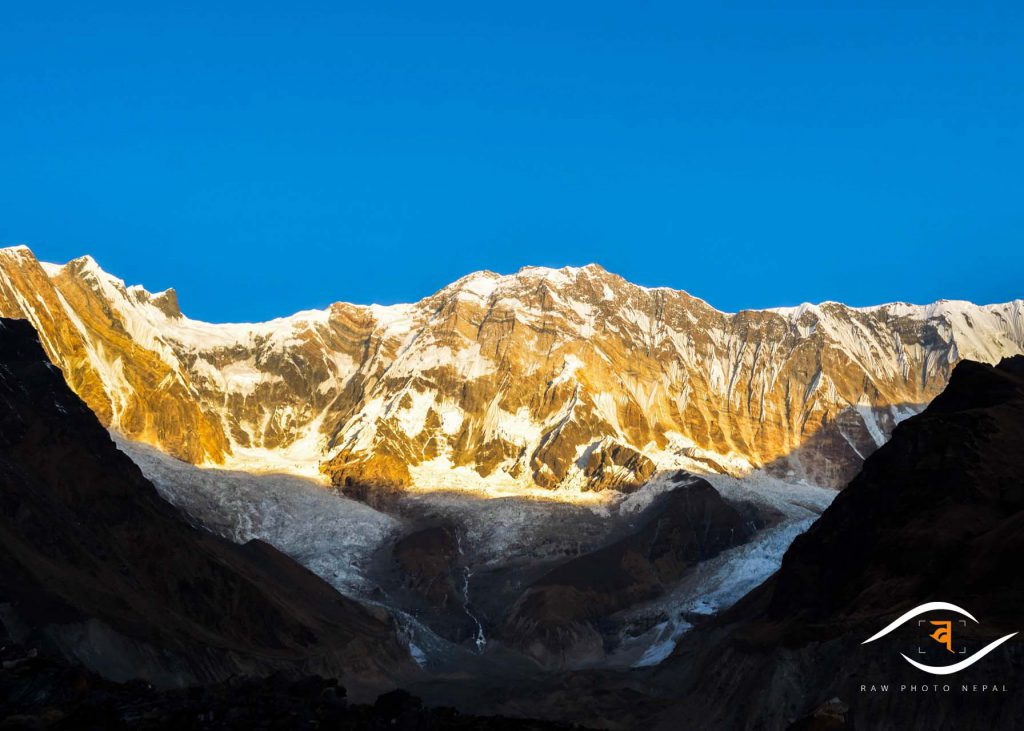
[{"x": 338, "y": 538}]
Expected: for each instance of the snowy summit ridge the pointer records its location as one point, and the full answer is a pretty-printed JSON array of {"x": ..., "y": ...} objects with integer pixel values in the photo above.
[{"x": 568, "y": 380}]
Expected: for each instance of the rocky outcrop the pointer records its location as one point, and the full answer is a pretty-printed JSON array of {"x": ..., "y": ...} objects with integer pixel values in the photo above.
[
  {"x": 95, "y": 565},
  {"x": 355, "y": 473},
  {"x": 433, "y": 579},
  {"x": 427, "y": 559},
  {"x": 505, "y": 381},
  {"x": 554, "y": 621},
  {"x": 612, "y": 466}
]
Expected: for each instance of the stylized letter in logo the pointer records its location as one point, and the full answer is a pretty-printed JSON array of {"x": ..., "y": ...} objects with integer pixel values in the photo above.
[{"x": 943, "y": 635}]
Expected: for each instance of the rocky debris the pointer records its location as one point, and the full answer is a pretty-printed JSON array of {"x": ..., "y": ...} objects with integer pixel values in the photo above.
[{"x": 556, "y": 620}]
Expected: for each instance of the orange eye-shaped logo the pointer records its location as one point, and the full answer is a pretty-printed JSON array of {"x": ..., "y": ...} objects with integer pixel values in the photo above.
[{"x": 943, "y": 635}]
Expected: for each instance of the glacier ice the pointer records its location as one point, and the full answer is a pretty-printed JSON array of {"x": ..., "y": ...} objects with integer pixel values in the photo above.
[{"x": 330, "y": 535}]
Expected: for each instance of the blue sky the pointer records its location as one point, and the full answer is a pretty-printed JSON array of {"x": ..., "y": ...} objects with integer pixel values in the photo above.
[{"x": 268, "y": 157}]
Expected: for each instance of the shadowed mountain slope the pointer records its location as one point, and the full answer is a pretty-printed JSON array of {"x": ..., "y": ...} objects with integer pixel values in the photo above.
[
  {"x": 937, "y": 514},
  {"x": 94, "y": 564},
  {"x": 553, "y": 621}
]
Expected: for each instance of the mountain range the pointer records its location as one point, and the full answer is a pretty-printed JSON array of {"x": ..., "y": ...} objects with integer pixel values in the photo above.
[
  {"x": 673, "y": 605},
  {"x": 566, "y": 379}
]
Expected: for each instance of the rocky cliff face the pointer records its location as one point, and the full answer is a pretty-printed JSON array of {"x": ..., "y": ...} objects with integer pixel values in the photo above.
[
  {"x": 96, "y": 566},
  {"x": 570, "y": 378},
  {"x": 555, "y": 621}
]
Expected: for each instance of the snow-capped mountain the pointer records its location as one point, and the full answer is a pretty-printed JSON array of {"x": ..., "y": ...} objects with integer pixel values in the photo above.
[{"x": 571, "y": 378}]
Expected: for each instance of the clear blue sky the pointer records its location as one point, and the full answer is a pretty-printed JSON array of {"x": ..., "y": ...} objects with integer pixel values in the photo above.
[{"x": 268, "y": 157}]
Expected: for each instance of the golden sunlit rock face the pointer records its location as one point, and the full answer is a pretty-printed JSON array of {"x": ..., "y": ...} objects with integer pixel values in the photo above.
[{"x": 570, "y": 379}]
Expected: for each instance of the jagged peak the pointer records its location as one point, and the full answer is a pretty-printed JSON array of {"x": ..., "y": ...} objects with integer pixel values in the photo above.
[
  {"x": 484, "y": 283},
  {"x": 167, "y": 302},
  {"x": 481, "y": 283},
  {"x": 17, "y": 250},
  {"x": 85, "y": 264},
  {"x": 23, "y": 253}
]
